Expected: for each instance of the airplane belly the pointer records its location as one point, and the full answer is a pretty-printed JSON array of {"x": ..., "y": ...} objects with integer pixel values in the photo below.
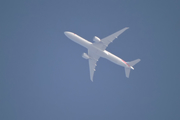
[
  {"x": 82, "y": 41},
  {"x": 78, "y": 39},
  {"x": 114, "y": 59},
  {"x": 97, "y": 51},
  {"x": 107, "y": 55}
]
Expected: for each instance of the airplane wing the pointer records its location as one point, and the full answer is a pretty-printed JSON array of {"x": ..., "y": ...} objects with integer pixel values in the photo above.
[
  {"x": 105, "y": 41},
  {"x": 92, "y": 63}
]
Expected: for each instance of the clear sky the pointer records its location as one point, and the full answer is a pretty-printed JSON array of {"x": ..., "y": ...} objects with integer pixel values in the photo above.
[{"x": 44, "y": 77}]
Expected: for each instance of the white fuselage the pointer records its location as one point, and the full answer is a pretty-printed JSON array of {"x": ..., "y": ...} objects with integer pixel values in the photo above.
[{"x": 102, "y": 53}]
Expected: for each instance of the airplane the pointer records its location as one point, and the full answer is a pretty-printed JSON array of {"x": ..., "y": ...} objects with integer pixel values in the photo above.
[{"x": 98, "y": 49}]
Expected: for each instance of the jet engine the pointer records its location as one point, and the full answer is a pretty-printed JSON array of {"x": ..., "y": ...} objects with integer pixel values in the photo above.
[
  {"x": 96, "y": 39},
  {"x": 85, "y": 56}
]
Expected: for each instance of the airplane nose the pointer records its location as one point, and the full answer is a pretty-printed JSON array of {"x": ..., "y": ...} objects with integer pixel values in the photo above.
[{"x": 66, "y": 33}]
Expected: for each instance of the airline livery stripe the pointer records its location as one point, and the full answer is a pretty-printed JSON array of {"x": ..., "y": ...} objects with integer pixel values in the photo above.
[{"x": 125, "y": 62}]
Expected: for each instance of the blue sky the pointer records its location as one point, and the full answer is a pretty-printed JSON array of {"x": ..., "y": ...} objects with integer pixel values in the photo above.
[{"x": 43, "y": 76}]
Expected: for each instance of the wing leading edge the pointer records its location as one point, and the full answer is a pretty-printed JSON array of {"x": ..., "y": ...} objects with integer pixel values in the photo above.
[
  {"x": 92, "y": 63},
  {"x": 107, "y": 40}
]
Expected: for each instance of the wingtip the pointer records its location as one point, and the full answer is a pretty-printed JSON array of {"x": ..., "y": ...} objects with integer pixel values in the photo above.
[{"x": 139, "y": 60}]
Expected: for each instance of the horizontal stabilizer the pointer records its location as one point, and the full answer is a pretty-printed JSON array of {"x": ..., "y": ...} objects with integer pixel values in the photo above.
[
  {"x": 127, "y": 71},
  {"x": 132, "y": 63}
]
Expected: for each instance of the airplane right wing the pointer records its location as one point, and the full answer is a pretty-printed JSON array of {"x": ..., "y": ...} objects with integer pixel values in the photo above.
[
  {"x": 92, "y": 63},
  {"x": 105, "y": 41}
]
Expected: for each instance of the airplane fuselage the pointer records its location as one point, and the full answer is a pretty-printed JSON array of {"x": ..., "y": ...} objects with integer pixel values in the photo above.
[{"x": 102, "y": 53}]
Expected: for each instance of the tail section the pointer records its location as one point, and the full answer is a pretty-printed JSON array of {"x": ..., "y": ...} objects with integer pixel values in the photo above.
[
  {"x": 132, "y": 63},
  {"x": 128, "y": 69}
]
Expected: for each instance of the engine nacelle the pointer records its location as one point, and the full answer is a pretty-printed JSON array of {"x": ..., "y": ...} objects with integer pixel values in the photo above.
[
  {"x": 96, "y": 39},
  {"x": 85, "y": 56}
]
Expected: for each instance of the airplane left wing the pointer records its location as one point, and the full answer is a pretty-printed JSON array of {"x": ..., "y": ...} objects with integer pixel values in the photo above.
[
  {"x": 107, "y": 40},
  {"x": 92, "y": 63}
]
